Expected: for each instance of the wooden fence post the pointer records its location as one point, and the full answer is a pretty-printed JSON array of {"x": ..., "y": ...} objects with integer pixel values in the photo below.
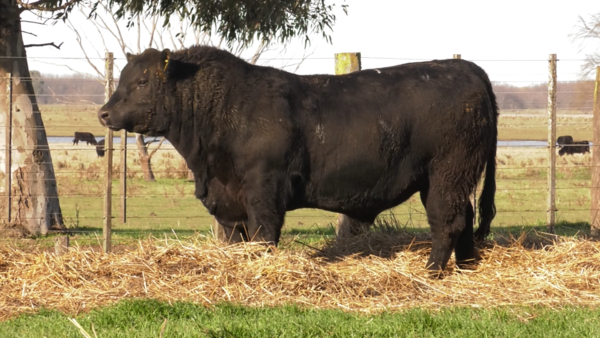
[
  {"x": 346, "y": 63},
  {"x": 108, "y": 147},
  {"x": 551, "y": 208},
  {"x": 8, "y": 150},
  {"x": 123, "y": 175},
  {"x": 595, "y": 192},
  {"x": 61, "y": 245}
]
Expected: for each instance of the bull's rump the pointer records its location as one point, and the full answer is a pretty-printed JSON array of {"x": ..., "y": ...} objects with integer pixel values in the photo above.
[{"x": 375, "y": 135}]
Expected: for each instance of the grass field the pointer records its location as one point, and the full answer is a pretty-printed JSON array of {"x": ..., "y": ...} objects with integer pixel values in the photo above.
[
  {"x": 150, "y": 318},
  {"x": 169, "y": 203},
  {"x": 64, "y": 120},
  {"x": 167, "y": 208},
  {"x": 533, "y": 125}
]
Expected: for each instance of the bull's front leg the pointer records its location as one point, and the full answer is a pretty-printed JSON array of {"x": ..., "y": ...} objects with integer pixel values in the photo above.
[{"x": 265, "y": 204}]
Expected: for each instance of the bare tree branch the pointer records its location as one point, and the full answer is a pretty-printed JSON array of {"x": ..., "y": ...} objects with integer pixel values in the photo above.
[
  {"x": 261, "y": 48},
  {"x": 29, "y": 33},
  {"x": 154, "y": 23},
  {"x": 57, "y": 98},
  {"x": 157, "y": 147},
  {"x": 79, "y": 42},
  {"x": 44, "y": 44},
  {"x": 587, "y": 31},
  {"x": 37, "y": 6},
  {"x": 160, "y": 38},
  {"x": 120, "y": 39},
  {"x": 34, "y": 22},
  {"x": 69, "y": 68},
  {"x": 139, "y": 35},
  {"x": 304, "y": 57}
]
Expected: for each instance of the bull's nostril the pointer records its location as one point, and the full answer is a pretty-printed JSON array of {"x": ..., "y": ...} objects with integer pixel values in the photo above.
[{"x": 102, "y": 117}]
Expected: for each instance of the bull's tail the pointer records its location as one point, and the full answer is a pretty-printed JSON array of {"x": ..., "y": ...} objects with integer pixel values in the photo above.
[{"x": 487, "y": 207}]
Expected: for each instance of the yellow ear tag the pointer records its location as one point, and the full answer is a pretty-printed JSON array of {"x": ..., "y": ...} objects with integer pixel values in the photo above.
[{"x": 166, "y": 64}]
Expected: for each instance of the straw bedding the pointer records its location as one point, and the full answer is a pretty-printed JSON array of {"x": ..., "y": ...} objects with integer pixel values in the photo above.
[{"x": 373, "y": 273}]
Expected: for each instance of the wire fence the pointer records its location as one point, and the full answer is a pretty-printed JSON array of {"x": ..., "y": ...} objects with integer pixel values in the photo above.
[{"x": 69, "y": 104}]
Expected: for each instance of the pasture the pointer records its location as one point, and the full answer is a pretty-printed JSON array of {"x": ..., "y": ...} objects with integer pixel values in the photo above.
[
  {"x": 527, "y": 283},
  {"x": 531, "y": 124},
  {"x": 169, "y": 203}
]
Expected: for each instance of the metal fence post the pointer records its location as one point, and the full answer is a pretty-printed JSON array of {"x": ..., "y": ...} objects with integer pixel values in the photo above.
[
  {"x": 123, "y": 175},
  {"x": 8, "y": 150},
  {"x": 595, "y": 191},
  {"x": 551, "y": 210},
  {"x": 108, "y": 146}
]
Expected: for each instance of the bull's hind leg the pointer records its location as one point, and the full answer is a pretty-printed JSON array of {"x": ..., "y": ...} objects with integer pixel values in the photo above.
[
  {"x": 464, "y": 250},
  {"x": 447, "y": 222}
]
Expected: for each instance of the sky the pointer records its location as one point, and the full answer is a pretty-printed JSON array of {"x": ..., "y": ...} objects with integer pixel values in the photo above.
[{"x": 510, "y": 39}]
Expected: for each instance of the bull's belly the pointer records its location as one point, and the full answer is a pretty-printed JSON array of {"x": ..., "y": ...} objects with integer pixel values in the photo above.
[{"x": 363, "y": 202}]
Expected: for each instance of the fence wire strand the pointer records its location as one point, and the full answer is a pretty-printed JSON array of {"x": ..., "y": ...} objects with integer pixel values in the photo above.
[{"x": 518, "y": 98}]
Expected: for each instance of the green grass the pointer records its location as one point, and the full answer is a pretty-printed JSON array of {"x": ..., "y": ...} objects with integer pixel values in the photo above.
[
  {"x": 64, "y": 120},
  {"x": 524, "y": 126},
  {"x": 159, "y": 208},
  {"x": 144, "y": 318},
  {"x": 169, "y": 204}
]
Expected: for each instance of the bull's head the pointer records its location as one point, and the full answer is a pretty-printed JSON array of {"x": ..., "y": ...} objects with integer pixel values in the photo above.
[{"x": 133, "y": 106}]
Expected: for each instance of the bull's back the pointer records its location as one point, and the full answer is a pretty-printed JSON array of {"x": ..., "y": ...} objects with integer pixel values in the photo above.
[{"x": 375, "y": 132}]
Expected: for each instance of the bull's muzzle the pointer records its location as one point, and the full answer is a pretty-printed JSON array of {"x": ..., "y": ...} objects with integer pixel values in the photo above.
[{"x": 103, "y": 118}]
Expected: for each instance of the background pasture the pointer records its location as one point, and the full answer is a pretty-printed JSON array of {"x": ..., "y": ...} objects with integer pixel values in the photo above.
[
  {"x": 166, "y": 226},
  {"x": 169, "y": 203}
]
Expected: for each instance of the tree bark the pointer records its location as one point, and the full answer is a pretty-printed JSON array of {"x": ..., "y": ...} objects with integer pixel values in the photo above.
[
  {"x": 35, "y": 205},
  {"x": 145, "y": 158}
]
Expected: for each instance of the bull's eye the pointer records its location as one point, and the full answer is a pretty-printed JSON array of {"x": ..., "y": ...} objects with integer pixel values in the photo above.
[{"x": 143, "y": 83}]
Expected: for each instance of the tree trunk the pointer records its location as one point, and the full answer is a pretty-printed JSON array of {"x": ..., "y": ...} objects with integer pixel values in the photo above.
[
  {"x": 144, "y": 158},
  {"x": 34, "y": 204}
]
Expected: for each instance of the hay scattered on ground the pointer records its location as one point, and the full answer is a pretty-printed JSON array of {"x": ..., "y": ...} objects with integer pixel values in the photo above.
[{"x": 368, "y": 274}]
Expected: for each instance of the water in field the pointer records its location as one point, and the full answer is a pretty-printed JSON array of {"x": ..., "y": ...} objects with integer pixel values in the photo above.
[{"x": 131, "y": 140}]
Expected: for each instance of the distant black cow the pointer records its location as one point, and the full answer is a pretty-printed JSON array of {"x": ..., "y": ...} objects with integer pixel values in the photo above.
[
  {"x": 562, "y": 140},
  {"x": 84, "y": 136},
  {"x": 566, "y": 145},
  {"x": 580, "y": 147},
  {"x": 100, "y": 148},
  {"x": 262, "y": 141}
]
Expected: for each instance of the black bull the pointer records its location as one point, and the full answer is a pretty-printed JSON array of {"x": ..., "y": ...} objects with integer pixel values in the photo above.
[
  {"x": 84, "y": 136},
  {"x": 262, "y": 141},
  {"x": 566, "y": 145}
]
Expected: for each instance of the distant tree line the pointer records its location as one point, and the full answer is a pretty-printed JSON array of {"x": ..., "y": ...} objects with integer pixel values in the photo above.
[
  {"x": 67, "y": 89},
  {"x": 576, "y": 95},
  {"x": 80, "y": 89}
]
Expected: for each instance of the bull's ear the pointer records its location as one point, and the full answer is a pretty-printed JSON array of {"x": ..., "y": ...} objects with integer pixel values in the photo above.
[
  {"x": 129, "y": 57},
  {"x": 165, "y": 55}
]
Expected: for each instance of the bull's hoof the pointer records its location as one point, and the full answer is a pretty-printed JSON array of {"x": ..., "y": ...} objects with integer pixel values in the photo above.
[
  {"x": 467, "y": 264},
  {"x": 436, "y": 274}
]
